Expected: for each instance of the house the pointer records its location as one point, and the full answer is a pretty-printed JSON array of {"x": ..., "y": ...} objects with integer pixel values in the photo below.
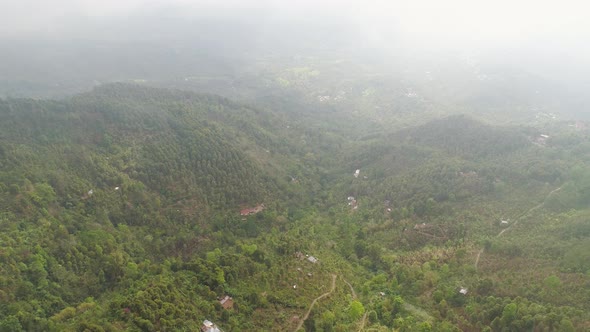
[
  {"x": 208, "y": 326},
  {"x": 227, "y": 302},
  {"x": 352, "y": 202},
  {"x": 463, "y": 291},
  {"x": 421, "y": 226},
  {"x": 411, "y": 94},
  {"x": 542, "y": 139},
  {"x": 469, "y": 174},
  {"x": 250, "y": 211},
  {"x": 312, "y": 259}
]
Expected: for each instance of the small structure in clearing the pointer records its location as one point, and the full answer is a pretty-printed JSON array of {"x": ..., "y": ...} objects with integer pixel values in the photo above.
[
  {"x": 468, "y": 174},
  {"x": 208, "y": 326},
  {"x": 421, "y": 226},
  {"x": 541, "y": 139},
  {"x": 356, "y": 173},
  {"x": 250, "y": 211},
  {"x": 463, "y": 291},
  {"x": 312, "y": 259},
  {"x": 227, "y": 302},
  {"x": 352, "y": 202}
]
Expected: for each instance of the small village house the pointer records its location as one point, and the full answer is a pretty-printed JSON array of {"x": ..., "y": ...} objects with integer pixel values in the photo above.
[
  {"x": 209, "y": 326},
  {"x": 250, "y": 211},
  {"x": 227, "y": 302}
]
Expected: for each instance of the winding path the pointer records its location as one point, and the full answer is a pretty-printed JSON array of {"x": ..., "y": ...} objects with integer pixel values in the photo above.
[
  {"x": 363, "y": 321},
  {"x": 314, "y": 302},
  {"x": 351, "y": 289},
  {"x": 516, "y": 222}
]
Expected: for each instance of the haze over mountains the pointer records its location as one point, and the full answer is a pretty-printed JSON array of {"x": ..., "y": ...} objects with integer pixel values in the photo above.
[
  {"x": 318, "y": 166},
  {"x": 471, "y": 52}
]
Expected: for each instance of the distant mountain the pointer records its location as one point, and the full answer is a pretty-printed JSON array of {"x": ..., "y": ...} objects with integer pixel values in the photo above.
[{"x": 464, "y": 136}]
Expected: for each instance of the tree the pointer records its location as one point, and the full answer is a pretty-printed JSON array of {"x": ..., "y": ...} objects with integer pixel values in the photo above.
[
  {"x": 327, "y": 321},
  {"x": 509, "y": 314},
  {"x": 551, "y": 284},
  {"x": 10, "y": 324},
  {"x": 356, "y": 310},
  {"x": 566, "y": 325},
  {"x": 424, "y": 327}
]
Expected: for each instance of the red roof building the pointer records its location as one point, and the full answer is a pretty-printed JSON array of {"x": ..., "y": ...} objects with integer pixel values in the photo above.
[
  {"x": 227, "y": 302},
  {"x": 254, "y": 210}
]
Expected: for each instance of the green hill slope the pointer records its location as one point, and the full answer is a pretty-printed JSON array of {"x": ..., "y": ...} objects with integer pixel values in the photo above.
[
  {"x": 120, "y": 212},
  {"x": 93, "y": 185}
]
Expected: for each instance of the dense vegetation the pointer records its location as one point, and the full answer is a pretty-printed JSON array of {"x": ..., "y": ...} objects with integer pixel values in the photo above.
[{"x": 121, "y": 211}]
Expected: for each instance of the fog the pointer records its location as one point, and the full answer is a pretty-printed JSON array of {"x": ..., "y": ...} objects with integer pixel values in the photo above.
[
  {"x": 423, "y": 23},
  {"x": 546, "y": 39}
]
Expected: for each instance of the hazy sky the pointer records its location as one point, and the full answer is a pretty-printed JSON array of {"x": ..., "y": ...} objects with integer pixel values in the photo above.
[
  {"x": 547, "y": 39},
  {"x": 432, "y": 21},
  {"x": 553, "y": 29}
]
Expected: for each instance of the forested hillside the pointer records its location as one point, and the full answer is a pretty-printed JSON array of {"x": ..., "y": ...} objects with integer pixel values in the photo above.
[
  {"x": 76, "y": 175},
  {"x": 121, "y": 211}
]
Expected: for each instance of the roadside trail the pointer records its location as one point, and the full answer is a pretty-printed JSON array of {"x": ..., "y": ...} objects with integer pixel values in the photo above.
[
  {"x": 517, "y": 220},
  {"x": 351, "y": 289},
  {"x": 363, "y": 321},
  {"x": 314, "y": 302}
]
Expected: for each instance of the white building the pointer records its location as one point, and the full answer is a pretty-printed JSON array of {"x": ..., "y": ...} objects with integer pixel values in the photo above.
[{"x": 208, "y": 326}]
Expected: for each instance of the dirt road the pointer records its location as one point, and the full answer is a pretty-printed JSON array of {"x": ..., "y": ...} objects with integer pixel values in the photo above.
[
  {"x": 517, "y": 220},
  {"x": 316, "y": 300}
]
